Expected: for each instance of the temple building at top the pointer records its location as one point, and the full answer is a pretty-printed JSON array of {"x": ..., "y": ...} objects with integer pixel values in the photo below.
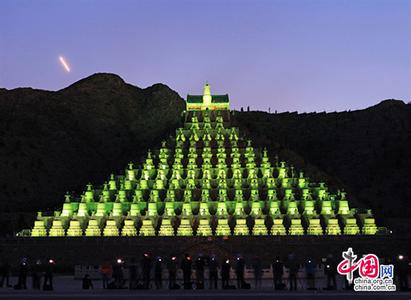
[
  {"x": 207, "y": 180},
  {"x": 207, "y": 101}
]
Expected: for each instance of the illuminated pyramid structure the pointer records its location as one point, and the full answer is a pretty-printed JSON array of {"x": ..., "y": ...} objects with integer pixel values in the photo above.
[{"x": 207, "y": 181}]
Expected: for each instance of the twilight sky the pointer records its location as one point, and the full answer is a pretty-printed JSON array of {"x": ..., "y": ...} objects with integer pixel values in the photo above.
[{"x": 307, "y": 55}]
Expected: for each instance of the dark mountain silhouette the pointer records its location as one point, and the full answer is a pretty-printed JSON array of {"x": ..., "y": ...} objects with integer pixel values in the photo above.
[
  {"x": 366, "y": 152},
  {"x": 53, "y": 142}
]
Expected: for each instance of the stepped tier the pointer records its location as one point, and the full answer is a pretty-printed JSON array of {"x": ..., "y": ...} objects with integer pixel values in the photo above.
[{"x": 208, "y": 180}]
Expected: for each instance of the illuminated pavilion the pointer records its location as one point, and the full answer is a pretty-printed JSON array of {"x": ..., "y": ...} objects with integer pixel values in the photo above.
[{"x": 207, "y": 181}]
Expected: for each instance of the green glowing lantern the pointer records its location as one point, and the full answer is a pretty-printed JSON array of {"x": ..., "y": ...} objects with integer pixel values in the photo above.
[
  {"x": 239, "y": 209},
  {"x": 351, "y": 226},
  {"x": 343, "y": 208},
  {"x": 169, "y": 209},
  {"x": 131, "y": 172},
  {"x": 111, "y": 228},
  {"x": 39, "y": 229},
  {"x": 274, "y": 208},
  {"x": 185, "y": 228},
  {"x": 223, "y": 229},
  {"x": 117, "y": 209},
  {"x": 259, "y": 227},
  {"x": 57, "y": 229},
  {"x": 326, "y": 208},
  {"x": 74, "y": 229},
  {"x": 282, "y": 170},
  {"x": 89, "y": 194},
  {"x": 256, "y": 208},
  {"x": 186, "y": 210},
  {"x": 112, "y": 183},
  {"x": 82, "y": 210},
  {"x": 101, "y": 210},
  {"x": 203, "y": 210},
  {"x": 278, "y": 227},
  {"x": 152, "y": 209},
  {"x": 135, "y": 210},
  {"x": 309, "y": 208},
  {"x": 296, "y": 228},
  {"x": 147, "y": 228},
  {"x": 129, "y": 228},
  {"x": 292, "y": 208},
  {"x": 302, "y": 182},
  {"x": 314, "y": 227},
  {"x": 332, "y": 227},
  {"x": 369, "y": 226},
  {"x": 93, "y": 228},
  {"x": 221, "y": 209},
  {"x": 166, "y": 228},
  {"x": 241, "y": 227},
  {"x": 204, "y": 228},
  {"x": 67, "y": 210}
]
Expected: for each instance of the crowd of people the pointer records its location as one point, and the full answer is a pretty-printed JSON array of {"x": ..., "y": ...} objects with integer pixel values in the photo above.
[{"x": 146, "y": 273}]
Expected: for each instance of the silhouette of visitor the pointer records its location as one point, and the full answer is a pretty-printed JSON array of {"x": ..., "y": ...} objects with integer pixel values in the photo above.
[
  {"x": 225, "y": 274},
  {"x": 158, "y": 272},
  {"x": 5, "y": 274},
  {"x": 87, "y": 283},
  {"x": 402, "y": 269},
  {"x": 200, "y": 273},
  {"x": 36, "y": 275},
  {"x": 22, "y": 277},
  {"x": 186, "y": 267},
  {"x": 172, "y": 271},
  {"x": 48, "y": 276},
  {"x": 293, "y": 267},
  {"x": 146, "y": 267},
  {"x": 330, "y": 269},
  {"x": 106, "y": 271},
  {"x": 132, "y": 274},
  {"x": 278, "y": 270},
  {"x": 239, "y": 271},
  {"x": 118, "y": 275},
  {"x": 213, "y": 272},
  {"x": 258, "y": 272},
  {"x": 310, "y": 267}
]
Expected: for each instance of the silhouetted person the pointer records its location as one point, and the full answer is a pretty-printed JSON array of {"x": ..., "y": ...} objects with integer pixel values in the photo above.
[
  {"x": 239, "y": 272},
  {"x": 87, "y": 284},
  {"x": 293, "y": 267},
  {"x": 132, "y": 274},
  {"x": 172, "y": 270},
  {"x": 186, "y": 267},
  {"x": 118, "y": 274},
  {"x": 200, "y": 273},
  {"x": 22, "y": 277},
  {"x": 5, "y": 274},
  {"x": 258, "y": 272},
  {"x": 158, "y": 272},
  {"x": 225, "y": 274},
  {"x": 36, "y": 275},
  {"x": 213, "y": 272},
  {"x": 146, "y": 267},
  {"x": 310, "y": 268},
  {"x": 401, "y": 267},
  {"x": 330, "y": 269},
  {"x": 48, "y": 276},
  {"x": 106, "y": 271},
  {"x": 278, "y": 270}
]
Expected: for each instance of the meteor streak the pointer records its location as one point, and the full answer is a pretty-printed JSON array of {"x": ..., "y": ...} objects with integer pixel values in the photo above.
[{"x": 64, "y": 63}]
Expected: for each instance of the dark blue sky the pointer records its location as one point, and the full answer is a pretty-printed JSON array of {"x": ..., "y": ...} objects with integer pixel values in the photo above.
[{"x": 287, "y": 55}]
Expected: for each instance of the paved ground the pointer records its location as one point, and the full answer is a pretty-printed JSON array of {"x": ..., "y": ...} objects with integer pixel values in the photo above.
[{"x": 67, "y": 288}]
